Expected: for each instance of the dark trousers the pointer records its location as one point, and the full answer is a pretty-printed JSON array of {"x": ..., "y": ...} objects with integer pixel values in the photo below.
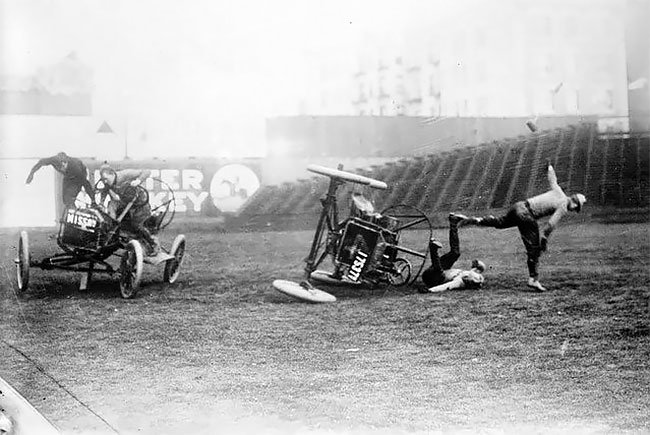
[
  {"x": 135, "y": 220},
  {"x": 70, "y": 191},
  {"x": 520, "y": 216},
  {"x": 434, "y": 275}
]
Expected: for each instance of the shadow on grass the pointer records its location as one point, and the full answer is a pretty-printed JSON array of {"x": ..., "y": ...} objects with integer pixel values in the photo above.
[{"x": 99, "y": 288}]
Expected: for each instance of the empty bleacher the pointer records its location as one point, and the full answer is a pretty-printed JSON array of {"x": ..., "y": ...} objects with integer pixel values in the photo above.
[
  {"x": 485, "y": 187},
  {"x": 437, "y": 182},
  {"x": 483, "y": 158},
  {"x": 611, "y": 172},
  {"x": 641, "y": 171},
  {"x": 580, "y": 159},
  {"x": 419, "y": 186}
]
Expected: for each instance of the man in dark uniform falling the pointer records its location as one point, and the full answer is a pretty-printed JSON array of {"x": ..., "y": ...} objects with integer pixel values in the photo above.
[
  {"x": 441, "y": 275},
  {"x": 74, "y": 176}
]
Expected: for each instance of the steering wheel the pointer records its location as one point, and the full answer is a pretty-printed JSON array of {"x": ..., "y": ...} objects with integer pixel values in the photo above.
[{"x": 126, "y": 193}]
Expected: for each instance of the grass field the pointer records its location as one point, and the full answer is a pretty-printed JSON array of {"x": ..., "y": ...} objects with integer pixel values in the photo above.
[{"x": 221, "y": 352}]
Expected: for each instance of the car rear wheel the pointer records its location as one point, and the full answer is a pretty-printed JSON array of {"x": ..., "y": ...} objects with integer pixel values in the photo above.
[
  {"x": 173, "y": 265},
  {"x": 131, "y": 269},
  {"x": 22, "y": 262}
]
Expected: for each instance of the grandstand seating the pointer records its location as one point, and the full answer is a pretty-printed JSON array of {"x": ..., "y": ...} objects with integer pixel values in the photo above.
[
  {"x": 457, "y": 174},
  {"x": 419, "y": 187},
  {"x": 402, "y": 186},
  {"x": 611, "y": 172},
  {"x": 475, "y": 172},
  {"x": 630, "y": 189},
  {"x": 579, "y": 160},
  {"x": 596, "y": 171},
  {"x": 643, "y": 171},
  {"x": 611, "y": 178},
  {"x": 300, "y": 190},
  {"x": 521, "y": 173},
  {"x": 562, "y": 157},
  {"x": 436, "y": 185},
  {"x": 482, "y": 198},
  {"x": 509, "y": 169},
  {"x": 394, "y": 179}
]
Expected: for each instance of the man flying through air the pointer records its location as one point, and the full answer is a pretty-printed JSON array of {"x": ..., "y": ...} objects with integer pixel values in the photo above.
[{"x": 524, "y": 215}]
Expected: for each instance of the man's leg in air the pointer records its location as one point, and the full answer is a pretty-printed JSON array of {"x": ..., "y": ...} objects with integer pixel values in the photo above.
[
  {"x": 508, "y": 220},
  {"x": 448, "y": 260},
  {"x": 434, "y": 275}
]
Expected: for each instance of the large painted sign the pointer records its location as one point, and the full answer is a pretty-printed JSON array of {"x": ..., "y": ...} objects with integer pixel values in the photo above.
[
  {"x": 207, "y": 187},
  {"x": 200, "y": 187},
  {"x": 232, "y": 185},
  {"x": 26, "y": 205},
  {"x": 186, "y": 184}
]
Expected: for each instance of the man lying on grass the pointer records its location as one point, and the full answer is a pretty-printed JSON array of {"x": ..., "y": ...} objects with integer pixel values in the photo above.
[{"x": 440, "y": 276}]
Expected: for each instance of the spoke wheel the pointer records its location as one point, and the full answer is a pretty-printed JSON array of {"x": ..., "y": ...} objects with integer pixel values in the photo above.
[
  {"x": 22, "y": 262},
  {"x": 141, "y": 195},
  {"x": 131, "y": 269},
  {"x": 173, "y": 266},
  {"x": 409, "y": 217}
]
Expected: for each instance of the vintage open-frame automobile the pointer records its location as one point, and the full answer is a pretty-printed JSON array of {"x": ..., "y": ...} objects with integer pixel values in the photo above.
[
  {"x": 89, "y": 239},
  {"x": 365, "y": 248}
]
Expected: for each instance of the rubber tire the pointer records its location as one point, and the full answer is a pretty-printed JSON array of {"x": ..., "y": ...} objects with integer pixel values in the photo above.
[
  {"x": 131, "y": 265},
  {"x": 22, "y": 265},
  {"x": 173, "y": 266},
  {"x": 347, "y": 176},
  {"x": 295, "y": 290}
]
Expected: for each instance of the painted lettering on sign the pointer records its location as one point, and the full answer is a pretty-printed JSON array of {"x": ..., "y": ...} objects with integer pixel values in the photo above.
[
  {"x": 84, "y": 221},
  {"x": 229, "y": 187},
  {"x": 357, "y": 266},
  {"x": 232, "y": 185}
]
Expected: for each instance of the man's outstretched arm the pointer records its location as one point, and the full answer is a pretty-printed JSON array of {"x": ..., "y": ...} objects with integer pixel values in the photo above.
[
  {"x": 455, "y": 284},
  {"x": 552, "y": 178},
  {"x": 42, "y": 162},
  {"x": 134, "y": 176},
  {"x": 550, "y": 226}
]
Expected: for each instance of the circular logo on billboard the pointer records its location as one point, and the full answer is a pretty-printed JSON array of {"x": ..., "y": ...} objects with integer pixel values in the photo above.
[{"x": 232, "y": 185}]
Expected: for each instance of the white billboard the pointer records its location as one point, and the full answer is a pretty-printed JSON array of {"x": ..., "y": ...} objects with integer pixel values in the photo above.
[{"x": 26, "y": 205}]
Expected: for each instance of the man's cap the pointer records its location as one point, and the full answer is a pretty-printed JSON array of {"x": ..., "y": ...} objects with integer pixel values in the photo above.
[
  {"x": 479, "y": 265},
  {"x": 579, "y": 200},
  {"x": 62, "y": 157},
  {"x": 106, "y": 168}
]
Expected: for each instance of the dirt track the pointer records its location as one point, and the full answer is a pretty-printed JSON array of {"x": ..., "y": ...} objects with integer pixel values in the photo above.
[{"x": 220, "y": 350}]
